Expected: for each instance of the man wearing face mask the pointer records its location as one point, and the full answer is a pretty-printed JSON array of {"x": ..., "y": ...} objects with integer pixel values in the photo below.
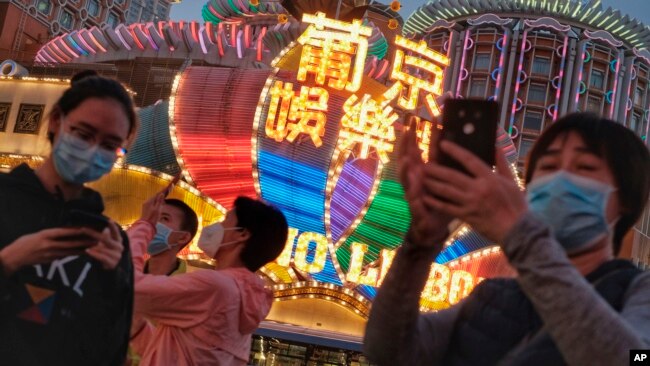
[
  {"x": 175, "y": 228},
  {"x": 206, "y": 317}
]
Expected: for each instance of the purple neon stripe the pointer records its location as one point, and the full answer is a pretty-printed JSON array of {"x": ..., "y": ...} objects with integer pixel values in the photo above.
[{"x": 351, "y": 194}]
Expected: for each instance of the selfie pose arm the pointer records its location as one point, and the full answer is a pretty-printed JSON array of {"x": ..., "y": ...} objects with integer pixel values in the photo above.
[
  {"x": 396, "y": 333},
  {"x": 583, "y": 325}
]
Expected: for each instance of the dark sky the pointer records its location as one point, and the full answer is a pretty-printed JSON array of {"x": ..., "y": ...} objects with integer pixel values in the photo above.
[{"x": 191, "y": 9}]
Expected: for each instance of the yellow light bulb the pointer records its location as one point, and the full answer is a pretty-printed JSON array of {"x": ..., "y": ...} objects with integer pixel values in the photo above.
[
  {"x": 395, "y": 5},
  {"x": 393, "y": 24}
]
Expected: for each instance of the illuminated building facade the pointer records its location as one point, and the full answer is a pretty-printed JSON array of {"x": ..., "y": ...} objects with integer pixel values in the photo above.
[
  {"x": 544, "y": 58},
  {"x": 28, "y": 24},
  {"x": 274, "y": 105}
]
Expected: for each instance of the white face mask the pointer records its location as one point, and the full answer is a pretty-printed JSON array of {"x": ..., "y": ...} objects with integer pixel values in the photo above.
[{"x": 211, "y": 239}]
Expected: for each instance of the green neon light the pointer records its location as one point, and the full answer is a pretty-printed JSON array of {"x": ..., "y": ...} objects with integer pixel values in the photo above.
[
  {"x": 384, "y": 224},
  {"x": 208, "y": 16},
  {"x": 233, "y": 7}
]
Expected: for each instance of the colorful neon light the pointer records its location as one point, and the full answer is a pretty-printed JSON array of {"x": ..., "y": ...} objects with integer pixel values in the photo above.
[{"x": 326, "y": 58}]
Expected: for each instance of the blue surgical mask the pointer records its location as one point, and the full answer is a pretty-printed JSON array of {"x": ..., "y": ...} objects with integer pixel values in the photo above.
[
  {"x": 78, "y": 162},
  {"x": 573, "y": 206},
  {"x": 160, "y": 241}
]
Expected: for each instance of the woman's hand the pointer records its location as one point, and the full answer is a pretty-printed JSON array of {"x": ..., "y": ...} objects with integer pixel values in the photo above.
[
  {"x": 109, "y": 247},
  {"x": 43, "y": 247},
  {"x": 491, "y": 203},
  {"x": 428, "y": 225}
]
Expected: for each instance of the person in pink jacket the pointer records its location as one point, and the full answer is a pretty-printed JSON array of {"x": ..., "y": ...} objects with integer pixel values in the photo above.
[{"x": 206, "y": 317}]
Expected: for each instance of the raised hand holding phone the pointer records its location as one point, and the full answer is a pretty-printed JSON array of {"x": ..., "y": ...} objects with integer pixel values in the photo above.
[
  {"x": 461, "y": 182},
  {"x": 472, "y": 124}
]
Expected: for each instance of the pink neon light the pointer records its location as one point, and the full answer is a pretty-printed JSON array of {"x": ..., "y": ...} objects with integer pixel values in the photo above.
[
  {"x": 611, "y": 107},
  {"x": 582, "y": 66},
  {"x": 215, "y": 12},
  {"x": 502, "y": 60},
  {"x": 135, "y": 37},
  {"x": 95, "y": 41},
  {"x": 247, "y": 36},
  {"x": 260, "y": 45},
  {"x": 161, "y": 25},
  {"x": 46, "y": 54},
  {"x": 233, "y": 35},
  {"x": 83, "y": 42},
  {"x": 558, "y": 92},
  {"x": 146, "y": 30},
  {"x": 66, "y": 47},
  {"x": 220, "y": 39},
  {"x": 202, "y": 41},
  {"x": 240, "y": 54},
  {"x": 121, "y": 37},
  {"x": 209, "y": 31},
  {"x": 462, "y": 62},
  {"x": 629, "y": 87},
  {"x": 373, "y": 68},
  {"x": 383, "y": 70},
  {"x": 520, "y": 69},
  {"x": 58, "y": 53}
]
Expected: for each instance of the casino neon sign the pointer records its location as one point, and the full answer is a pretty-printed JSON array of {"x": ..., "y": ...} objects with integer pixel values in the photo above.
[{"x": 323, "y": 150}]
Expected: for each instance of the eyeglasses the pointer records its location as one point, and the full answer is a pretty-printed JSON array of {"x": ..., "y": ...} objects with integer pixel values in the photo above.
[{"x": 89, "y": 137}]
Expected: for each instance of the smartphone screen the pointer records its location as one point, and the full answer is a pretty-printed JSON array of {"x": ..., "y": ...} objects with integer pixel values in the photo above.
[{"x": 472, "y": 124}]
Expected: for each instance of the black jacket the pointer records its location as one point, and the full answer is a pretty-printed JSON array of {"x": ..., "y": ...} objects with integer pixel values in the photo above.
[
  {"x": 70, "y": 311},
  {"x": 498, "y": 325}
]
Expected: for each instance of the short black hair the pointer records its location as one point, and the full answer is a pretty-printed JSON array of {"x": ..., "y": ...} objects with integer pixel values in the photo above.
[
  {"x": 624, "y": 152},
  {"x": 87, "y": 84},
  {"x": 190, "y": 221},
  {"x": 268, "y": 228}
]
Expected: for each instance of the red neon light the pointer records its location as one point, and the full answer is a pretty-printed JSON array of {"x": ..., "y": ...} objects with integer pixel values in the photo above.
[
  {"x": 233, "y": 35},
  {"x": 135, "y": 37},
  {"x": 214, "y": 139},
  {"x": 209, "y": 30},
  {"x": 220, "y": 39},
  {"x": 247, "y": 36},
  {"x": 260, "y": 45},
  {"x": 194, "y": 27}
]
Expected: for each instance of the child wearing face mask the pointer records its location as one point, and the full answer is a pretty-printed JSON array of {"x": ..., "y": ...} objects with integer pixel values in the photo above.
[
  {"x": 572, "y": 302},
  {"x": 206, "y": 317},
  {"x": 66, "y": 290}
]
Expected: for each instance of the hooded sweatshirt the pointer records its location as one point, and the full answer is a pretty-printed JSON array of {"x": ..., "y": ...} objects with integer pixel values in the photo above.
[
  {"x": 205, "y": 317},
  {"x": 70, "y": 311}
]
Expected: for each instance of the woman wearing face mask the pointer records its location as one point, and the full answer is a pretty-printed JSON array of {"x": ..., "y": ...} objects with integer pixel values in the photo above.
[
  {"x": 66, "y": 292},
  {"x": 206, "y": 317},
  {"x": 572, "y": 303}
]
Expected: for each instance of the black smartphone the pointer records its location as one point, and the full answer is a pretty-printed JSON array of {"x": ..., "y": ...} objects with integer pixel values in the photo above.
[
  {"x": 80, "y": 218},
  {"x": 171, "y": 184},
  {"x": 472, "y": 124}
]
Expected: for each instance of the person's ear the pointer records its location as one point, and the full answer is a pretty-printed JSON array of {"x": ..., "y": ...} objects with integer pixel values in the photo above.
[
  {"x": 182, "y": 238},
  {"x": 243, "y": 235}
]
